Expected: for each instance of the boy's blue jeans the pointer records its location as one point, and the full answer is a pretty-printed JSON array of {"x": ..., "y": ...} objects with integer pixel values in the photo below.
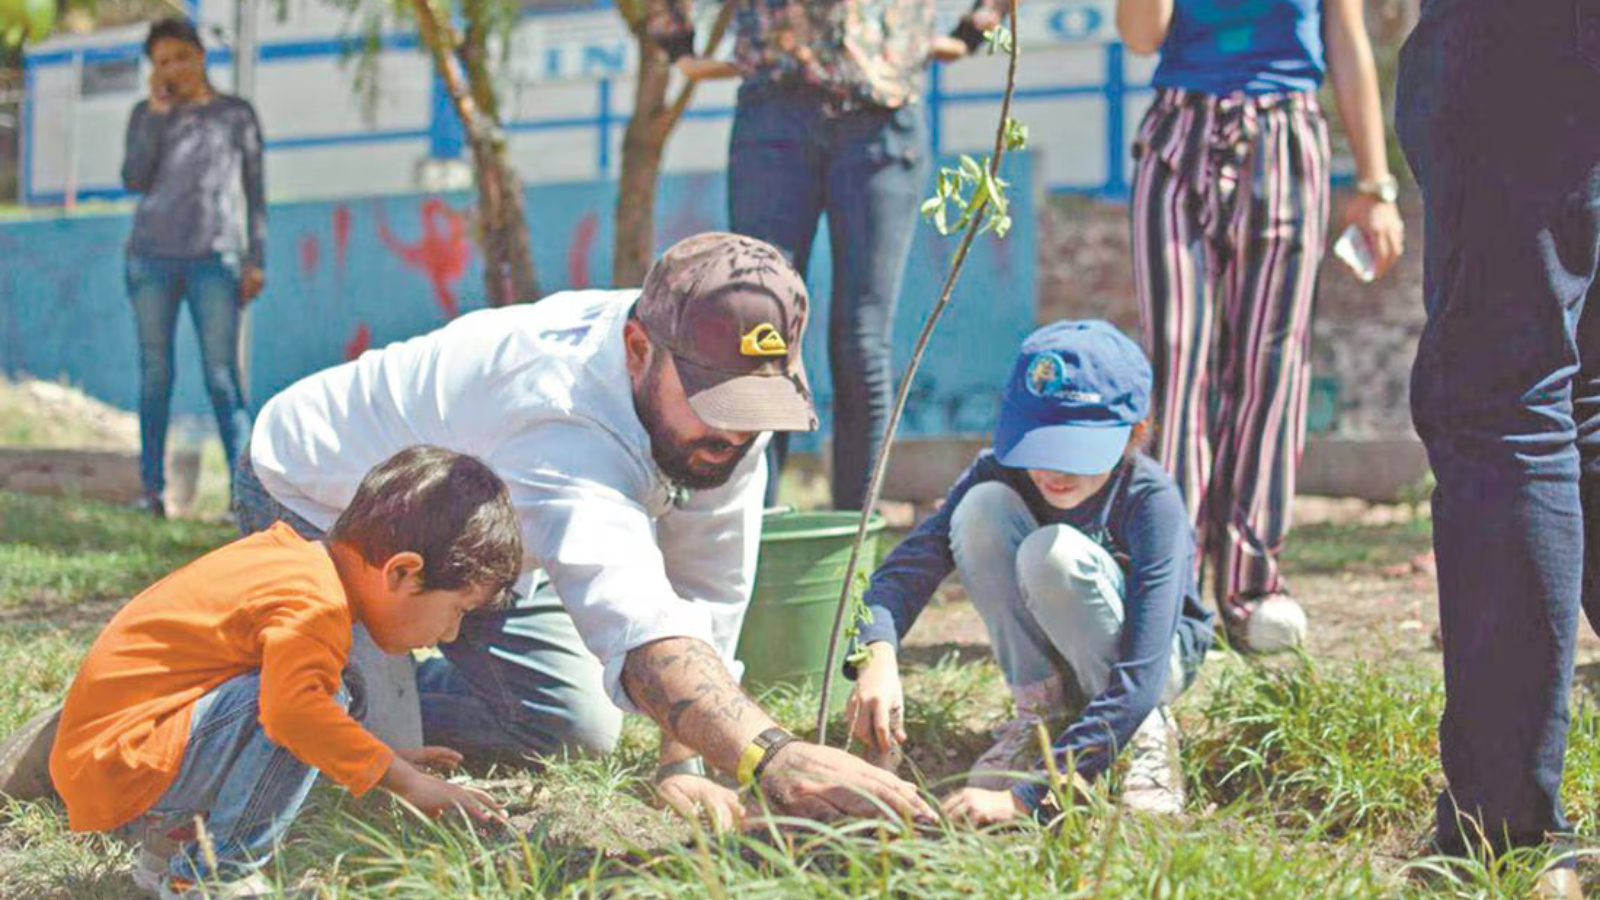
[
  {"x": 789, "y": 161},
  {"x": 245, "y": 788},
  {"x": 157, "y": 286},
  {"x": 1498, "y": 109}
]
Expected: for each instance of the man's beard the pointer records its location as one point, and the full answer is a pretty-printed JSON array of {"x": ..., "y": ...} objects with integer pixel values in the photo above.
[{"x": 673, "y": 455}]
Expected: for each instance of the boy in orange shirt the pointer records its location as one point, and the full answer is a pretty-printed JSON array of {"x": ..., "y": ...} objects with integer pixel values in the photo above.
[{"x": 216, "y": 693}]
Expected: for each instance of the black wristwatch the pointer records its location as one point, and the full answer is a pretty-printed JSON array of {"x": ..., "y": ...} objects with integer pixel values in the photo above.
[{"x": 759, "y": 754}]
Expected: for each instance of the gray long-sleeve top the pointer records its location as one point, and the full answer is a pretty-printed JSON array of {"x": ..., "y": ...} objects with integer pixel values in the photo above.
[{"x": 199, "y": 170}]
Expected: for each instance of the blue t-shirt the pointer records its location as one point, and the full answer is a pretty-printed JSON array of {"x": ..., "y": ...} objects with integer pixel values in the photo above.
[
  {"x": 1249, "y": 46},
  {"x": 1139, "y": 518}
]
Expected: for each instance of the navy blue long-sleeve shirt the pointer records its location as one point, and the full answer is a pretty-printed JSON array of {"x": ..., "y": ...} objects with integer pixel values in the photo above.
[{"x": 1140, "y": 519}]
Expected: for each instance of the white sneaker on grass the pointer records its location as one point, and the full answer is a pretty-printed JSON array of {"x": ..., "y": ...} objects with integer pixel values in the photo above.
[
  {"x": 156, "y": 849},
  {"x": 1270, "y": 623},
  {"x": 254, "y": 886},
  {"x": 1154, "y": 783}
]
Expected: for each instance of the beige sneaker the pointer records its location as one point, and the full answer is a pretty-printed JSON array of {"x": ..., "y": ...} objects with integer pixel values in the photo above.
[
  {"x": 1558, "y": 884},
  {"x": 1154, "y": 783},
  {"x": 1016, "y": 749},
  {"x": 25, "y": 758}
]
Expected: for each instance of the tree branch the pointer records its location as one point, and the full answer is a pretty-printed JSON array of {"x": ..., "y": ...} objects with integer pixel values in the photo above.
[{"x": 881, "y": 464}]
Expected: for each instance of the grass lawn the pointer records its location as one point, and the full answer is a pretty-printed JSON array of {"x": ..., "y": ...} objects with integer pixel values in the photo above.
[{"x": 1307, "y": 778}]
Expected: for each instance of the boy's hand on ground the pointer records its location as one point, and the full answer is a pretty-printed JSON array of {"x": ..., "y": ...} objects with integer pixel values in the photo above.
[
  {"x": 824, "y": 783},
  {"x": 439, "y": 759},
  {"x": 976, "y": 806},
  {"x": 435, "y": 796},
  {"x": 876, "y": 709},
  {"x": 700, "y": 799}
]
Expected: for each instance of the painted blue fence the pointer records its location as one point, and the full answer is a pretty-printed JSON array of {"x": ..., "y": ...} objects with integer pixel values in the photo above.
[{"x": 346, "y": 275}]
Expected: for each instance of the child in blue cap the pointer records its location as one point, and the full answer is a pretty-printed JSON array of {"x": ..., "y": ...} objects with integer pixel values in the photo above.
[{"x": 1077, "y": 551}]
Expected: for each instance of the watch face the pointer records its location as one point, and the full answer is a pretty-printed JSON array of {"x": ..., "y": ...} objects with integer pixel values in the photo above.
[{"x": 1387, "y": 190}]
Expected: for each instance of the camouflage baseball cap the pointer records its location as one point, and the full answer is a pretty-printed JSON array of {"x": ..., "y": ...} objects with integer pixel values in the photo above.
[{"x": 732, "y": 312}]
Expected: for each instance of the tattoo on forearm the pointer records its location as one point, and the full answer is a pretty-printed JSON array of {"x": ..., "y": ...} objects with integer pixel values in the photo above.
[{"x": 681, "y": 682}]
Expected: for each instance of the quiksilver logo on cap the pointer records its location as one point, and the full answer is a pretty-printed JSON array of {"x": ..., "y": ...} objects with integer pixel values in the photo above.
[{"x": 763, "y": 340}]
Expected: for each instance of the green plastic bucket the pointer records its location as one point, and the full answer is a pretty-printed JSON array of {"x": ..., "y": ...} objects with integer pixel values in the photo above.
[{"x": 801, "y": 570}]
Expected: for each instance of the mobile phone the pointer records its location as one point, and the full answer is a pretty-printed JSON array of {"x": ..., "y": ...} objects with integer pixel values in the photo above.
[{"x": 1353, "y": 250}]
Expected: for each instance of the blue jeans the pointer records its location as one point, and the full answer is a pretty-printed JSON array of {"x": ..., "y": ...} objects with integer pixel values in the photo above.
[
  {"x": 518, "y": 682},
  {"x": 1048, "y": 595},
  {"x": 514, "y": 682},
  {"x": 790, "y": 161},
  {"x": 246, "y": 788},
  {"x": 1497, "y": 113},
  {"x": 157, "y": 286}
]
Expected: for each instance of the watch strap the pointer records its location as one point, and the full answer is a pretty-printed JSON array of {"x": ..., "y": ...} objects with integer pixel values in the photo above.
[
  {"x": 753, "y": 761},
  {"x": 1386, "y": 188},
  {"x": 694, "y": 765}
]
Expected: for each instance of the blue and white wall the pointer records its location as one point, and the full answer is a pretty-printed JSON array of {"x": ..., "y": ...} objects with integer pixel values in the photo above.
[{"x": 568, "y": 93}]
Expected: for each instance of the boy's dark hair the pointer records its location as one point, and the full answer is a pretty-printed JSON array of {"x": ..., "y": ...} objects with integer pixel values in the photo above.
[
  {"x": 448, "y": 507},
  {"x": 172, "y": 29}
]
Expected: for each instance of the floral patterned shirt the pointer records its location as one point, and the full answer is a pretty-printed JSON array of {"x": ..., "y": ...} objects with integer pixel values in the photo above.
[{"x": 859, "y": 52}]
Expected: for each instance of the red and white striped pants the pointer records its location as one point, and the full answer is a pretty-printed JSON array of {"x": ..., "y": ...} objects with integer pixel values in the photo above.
[{"x": 1230, "y": 210}]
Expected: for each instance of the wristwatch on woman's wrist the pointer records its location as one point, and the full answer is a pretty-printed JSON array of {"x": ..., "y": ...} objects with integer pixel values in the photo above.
[{"x": 1385, "y": 189}]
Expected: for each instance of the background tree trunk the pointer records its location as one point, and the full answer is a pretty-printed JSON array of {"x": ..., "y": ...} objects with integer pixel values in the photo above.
[
  {"x": 644, "y": 142},
  {"x": 502, "y": 222}
]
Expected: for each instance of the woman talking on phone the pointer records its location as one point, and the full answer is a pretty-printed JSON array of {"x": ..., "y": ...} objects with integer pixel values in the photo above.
[
  {"x": 1230, "y": 216},
  {"x": 194, "y": 156}
]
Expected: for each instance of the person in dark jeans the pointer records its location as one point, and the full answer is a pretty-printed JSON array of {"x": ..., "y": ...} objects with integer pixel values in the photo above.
[
  {"x": 1499, "y": 115},
  {"x": 829, "y": 119},
  {"x": 194, "y": 156}
]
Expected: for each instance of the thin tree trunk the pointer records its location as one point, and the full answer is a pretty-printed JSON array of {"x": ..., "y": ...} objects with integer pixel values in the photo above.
[
  {"x": 502, "y": 221},
  {"x": 643, "y": 143}
]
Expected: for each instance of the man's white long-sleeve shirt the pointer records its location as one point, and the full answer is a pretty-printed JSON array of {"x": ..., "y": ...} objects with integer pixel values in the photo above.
[{"x": 542, "y": 394}]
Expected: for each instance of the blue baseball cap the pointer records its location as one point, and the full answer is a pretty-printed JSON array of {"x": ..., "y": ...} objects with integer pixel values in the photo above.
[{"x": 1075, "y": 393}]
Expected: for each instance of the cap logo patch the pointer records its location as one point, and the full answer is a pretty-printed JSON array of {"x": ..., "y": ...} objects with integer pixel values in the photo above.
[
  {"x": 1047, "y": 378},
  {"x": 763, "y": 340}
]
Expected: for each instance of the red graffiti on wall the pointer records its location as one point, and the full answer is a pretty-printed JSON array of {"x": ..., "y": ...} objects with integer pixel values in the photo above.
[
  {"x": 310, "y": 256},
  {"x": 341, "y": 237},
  {"x": 582, "y": 247},
  {"x": 359, "y": 342},
  {"x": 440, "y": 254}
]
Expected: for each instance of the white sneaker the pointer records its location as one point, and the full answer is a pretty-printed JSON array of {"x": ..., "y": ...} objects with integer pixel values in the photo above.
[
  {"x": 156, "y": 850},
  {"x": 1271, "y": 623},
  {"x": 1154, "y": 783},
  {"x": 254, "y": 886}
]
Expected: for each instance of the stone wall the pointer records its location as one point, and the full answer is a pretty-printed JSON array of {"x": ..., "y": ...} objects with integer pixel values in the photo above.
[{"x": 1364, "y": 336}]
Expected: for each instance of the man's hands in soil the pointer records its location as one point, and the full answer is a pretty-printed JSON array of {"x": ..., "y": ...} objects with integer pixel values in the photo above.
[
  {"x": 824, "y": 783},
  {"x": 697, "y": 798}
]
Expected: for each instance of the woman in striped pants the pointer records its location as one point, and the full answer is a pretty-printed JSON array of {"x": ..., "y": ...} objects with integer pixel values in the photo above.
[{"x": 1230, "y": 210}]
